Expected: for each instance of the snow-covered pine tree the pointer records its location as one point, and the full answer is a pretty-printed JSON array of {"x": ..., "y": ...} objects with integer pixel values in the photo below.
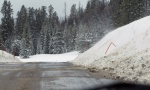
[
  {"x": 83, "y": 38},
  {"x": 7, "y": 24},
  {"x": 64, "y": 27},
  {"x": 41, "y": 26},
  {"x": 58, "y": 39},
  {"x": 47, "y": 38},
  {"x": 73, "y": 35},
  {"x": 135, "y": 10},
  {"x": 80, "y": 37},
  {"x": 32, "y": 24},
  {"x": 51, "y": 28},
  {"x": 26, "y": 44},
  {"x": 18, "y": 31},
  {"x": 43, "y": 14},
  {"x": 147, "y": 7},
  {"x": 71, "y": 32},
  {"x": 65, "y": 37},
  {"x": 126, "y": 11},
  {"x": 40, "y": 44},
  {"x": 58, "y": 42},
  {"x": 0, "y": 38},
  {"x": 20, "y": 21},
  {"x": 55, "y": 25},
  {"x": 40, "y": 23}
]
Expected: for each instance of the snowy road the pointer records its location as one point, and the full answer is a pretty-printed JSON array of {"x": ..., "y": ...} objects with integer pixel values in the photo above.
[{"x": 46, "y": 76}]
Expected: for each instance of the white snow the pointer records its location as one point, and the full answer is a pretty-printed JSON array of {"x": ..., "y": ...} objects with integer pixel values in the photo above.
[
  {"x": 6, "y": 57},
  {"x": 52, "y": 57},
  {"x": 130, "y": 59}
]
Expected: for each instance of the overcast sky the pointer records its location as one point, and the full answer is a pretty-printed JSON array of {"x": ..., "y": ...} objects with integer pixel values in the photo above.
[{"x": 57, "y": 4}]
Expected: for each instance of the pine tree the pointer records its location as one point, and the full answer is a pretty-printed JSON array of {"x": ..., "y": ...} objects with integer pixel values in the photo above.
[
  {"x": 87, "y": 12},
  {"x": 137, "y": 10},
  {"x": 147, "y": 7},
  {"x": 26, "y": 44},
  {"x": 73, "y": 35},
  {"x": 41, "y": 39},
  {"x": 51, "y": 32},
  {"x": 65, "y": 11},
  {"x": 47, "y": 38},
  {"x": 51, "y": 11},
  {"x": 58, "y": 42},
  {"x": 57, "y": 38},
  {"x": 40, "y": 16},
  {"x": 126, "y": 11},
  {"x": 69, "y": 32},
  {"x": 32, "y": 25},
  {"x": 73, "y": 15},
  {"x": 65, "y": 33},
  {"x": 0, "y": 38},
  {"x": 80, "y": 13},
  {"x": 43, "y": 14},
  {"x": 38, "y": 22},
  {"x": 20, "y": 21},
  {"x": 18, "y": 44},
  {"x": 116, "y": 11},
  {"x": 41, "y": 26},
  {"x": 46, "y": 33},
  {"x": 7, "y": 25}
]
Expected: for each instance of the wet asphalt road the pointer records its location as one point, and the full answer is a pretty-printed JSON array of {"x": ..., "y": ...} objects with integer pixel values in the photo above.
[{"x": 46, "y": 76}]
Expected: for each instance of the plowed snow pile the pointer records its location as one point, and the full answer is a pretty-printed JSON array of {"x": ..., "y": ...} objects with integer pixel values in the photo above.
[
  {"x": 129, "y": 60},
  {"x": 6, "y": 57}
]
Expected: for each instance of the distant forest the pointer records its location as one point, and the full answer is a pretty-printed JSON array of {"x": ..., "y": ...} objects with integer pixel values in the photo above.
[{"x": 35, "y": 31}]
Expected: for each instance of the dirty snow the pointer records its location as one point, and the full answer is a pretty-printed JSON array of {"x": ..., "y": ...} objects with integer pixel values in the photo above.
[
  {"x": 129, "y": 60},
  {"x": 52, "y": 57},
  {"x": 6, "y": 57}
]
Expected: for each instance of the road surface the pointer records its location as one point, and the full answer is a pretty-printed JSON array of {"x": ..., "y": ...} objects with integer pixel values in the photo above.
[{"x": 46, "y": 76}]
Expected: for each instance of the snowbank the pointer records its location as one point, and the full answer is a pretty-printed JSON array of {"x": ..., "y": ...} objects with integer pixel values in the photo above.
[
  {"x": 52, "y": 57},
  {"x": 130, "y": 59},
  {"x": 6, "y": 57}
]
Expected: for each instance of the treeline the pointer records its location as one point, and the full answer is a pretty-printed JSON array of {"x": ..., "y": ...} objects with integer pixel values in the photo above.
[{"x": 35, "y": 31}]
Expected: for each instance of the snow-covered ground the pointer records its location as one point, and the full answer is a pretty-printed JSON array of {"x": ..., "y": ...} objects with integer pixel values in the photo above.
[
  {"x": 52, "y": 57},
  {"x": 129, "y": 60},
  {"x": 6, "y": 57}
]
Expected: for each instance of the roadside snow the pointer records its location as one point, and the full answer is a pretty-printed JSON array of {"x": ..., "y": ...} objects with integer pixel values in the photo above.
[
  {"x": 6, "y": 57},
  {"x": 52, "y": 57},
  {"x": 129, "y": 60}
]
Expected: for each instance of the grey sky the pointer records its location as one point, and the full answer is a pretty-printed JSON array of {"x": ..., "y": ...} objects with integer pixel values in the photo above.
[{"x": 57, "y": 4}]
